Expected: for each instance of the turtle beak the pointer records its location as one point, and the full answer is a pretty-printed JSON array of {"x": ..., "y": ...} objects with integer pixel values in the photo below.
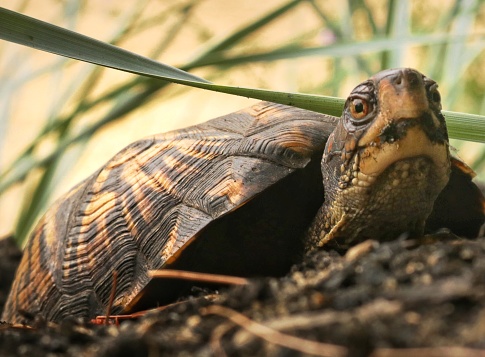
[{"x": 408, "y": 124}]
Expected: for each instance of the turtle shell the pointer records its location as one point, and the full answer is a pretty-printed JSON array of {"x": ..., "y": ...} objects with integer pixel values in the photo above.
[
  {"x": 160, "y": 196},
  {"x": 234, "y": 195}
]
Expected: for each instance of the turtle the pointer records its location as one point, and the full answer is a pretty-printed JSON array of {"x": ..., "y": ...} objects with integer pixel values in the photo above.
[{"x": 247, "y": 194}]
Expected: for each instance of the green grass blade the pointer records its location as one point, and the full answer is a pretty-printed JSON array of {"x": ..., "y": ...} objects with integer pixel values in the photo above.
[
  {"x": 464, "y": 126},
  {"x": 34, "y": 33},
  {"x": 30, "y": 32},
  {"x": 37, "y": 34}
]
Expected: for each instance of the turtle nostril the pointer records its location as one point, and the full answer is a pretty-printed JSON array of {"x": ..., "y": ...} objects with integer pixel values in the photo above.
[
  {"x": 406, "y": 79},
  {"x": 412, "y": 78}
]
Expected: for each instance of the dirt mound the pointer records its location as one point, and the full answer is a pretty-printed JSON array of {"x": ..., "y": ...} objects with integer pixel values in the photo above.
[{"x": 401, "y": 294}]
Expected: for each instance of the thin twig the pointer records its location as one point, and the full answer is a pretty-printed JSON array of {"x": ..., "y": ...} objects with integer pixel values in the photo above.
[
  {"x": 107, "y": 318},
  {"x": 276, "y": 337},
  {"x": 196, "y": 276}
]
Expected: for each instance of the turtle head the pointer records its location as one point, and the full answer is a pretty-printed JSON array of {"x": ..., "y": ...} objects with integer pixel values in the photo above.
[{"x": 386, "y": 162}]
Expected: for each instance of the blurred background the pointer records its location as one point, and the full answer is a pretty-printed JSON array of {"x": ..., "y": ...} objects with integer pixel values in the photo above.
[{"x": 60, "y": 120}]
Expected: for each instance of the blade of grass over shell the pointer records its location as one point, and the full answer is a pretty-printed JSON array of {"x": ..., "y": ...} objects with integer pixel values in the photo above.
[
  {"x": 40, "y": 35},
  {"x": 27, "y": 31},
  {"x": 184, "y": 11},
  {"x": 37, "y": 34},
  {"x": 34, "y": 33}
]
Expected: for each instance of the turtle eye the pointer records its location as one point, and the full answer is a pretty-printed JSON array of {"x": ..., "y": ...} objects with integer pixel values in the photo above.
[{"x": 359, "y": 108}]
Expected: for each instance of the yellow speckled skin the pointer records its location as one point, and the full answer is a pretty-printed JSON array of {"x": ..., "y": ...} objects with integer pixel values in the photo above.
[
  {"x": 238, "y": 195},
  {"x": 383, "y": 172}
]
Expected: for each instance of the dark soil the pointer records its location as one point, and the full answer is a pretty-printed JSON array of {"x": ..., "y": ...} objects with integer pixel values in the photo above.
[{"x": 401, "y": 294}]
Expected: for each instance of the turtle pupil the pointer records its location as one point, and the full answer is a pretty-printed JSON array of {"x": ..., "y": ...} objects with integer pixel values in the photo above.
[{"x": 359, "y": 107}]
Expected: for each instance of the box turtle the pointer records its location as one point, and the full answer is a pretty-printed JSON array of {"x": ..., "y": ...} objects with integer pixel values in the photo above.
[{"x": 246, "y": 194}]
